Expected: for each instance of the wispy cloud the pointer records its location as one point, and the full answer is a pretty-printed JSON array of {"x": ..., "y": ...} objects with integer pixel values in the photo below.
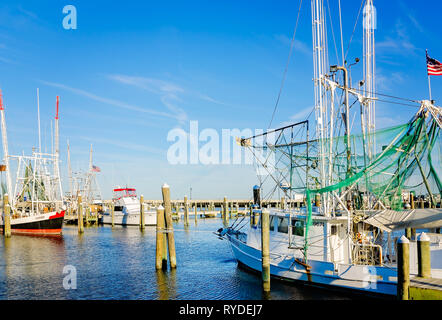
[
  {"x": 398, "y": 41},
  {"x": 297, "y": 44},
  {"x": 124, "y": 145},
  {"x": 168, "y": 92},
  {"x": 299, "y": 116},
  {"x": 112, "y": 102}
]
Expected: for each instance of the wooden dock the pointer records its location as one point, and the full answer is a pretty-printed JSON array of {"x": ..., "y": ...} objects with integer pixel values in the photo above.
[{"x": 425, "y": 289}]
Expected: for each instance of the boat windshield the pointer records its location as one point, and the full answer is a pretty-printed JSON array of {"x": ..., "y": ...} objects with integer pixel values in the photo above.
[{"x": 120, "y": 193}]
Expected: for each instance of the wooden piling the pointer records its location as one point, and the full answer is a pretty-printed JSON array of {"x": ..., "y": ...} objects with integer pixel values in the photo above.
[
  {"x": 80, "y": 215},
  {"x": 265, "y": 250},
  {"x": 161, "y": 249},
  {"x": 6, "y": 216},
  {"x": 196, "y": 213},
  {"x": 403, "y": 268},
  {"x": 186, "y": 212},
  {"x": 408, "y": 233},
  {"x": 252, "y": 216},
  {"x": 169, "y": 225},
  {"x": 423, "y": 256},
  {"x": 413, "y": 234},
  {"x": 412, "y": 206},
  {"x": 112, "y": 207},
  {"x": 225, "y": 209},
  {"x": 142, "y": 224}
]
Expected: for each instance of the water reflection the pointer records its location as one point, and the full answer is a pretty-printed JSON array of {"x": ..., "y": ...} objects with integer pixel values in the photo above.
[
  {"x": 166, "y": 284},
  {"x": 119, "y": 263}
]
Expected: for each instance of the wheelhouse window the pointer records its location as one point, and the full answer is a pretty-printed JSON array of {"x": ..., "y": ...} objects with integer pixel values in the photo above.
[
  {"x": 120, "y": 193},
  {"x": 297, "y": 227},
  {"x": 283, "y": 225},
  {"x": 272, "y": 223}
]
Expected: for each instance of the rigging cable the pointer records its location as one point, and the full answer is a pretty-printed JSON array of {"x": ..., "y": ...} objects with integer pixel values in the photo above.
[
  {"x": 287, "y": 64},
  {"x": 340, "y": 25},
  {"x": 354, "y": 28}
]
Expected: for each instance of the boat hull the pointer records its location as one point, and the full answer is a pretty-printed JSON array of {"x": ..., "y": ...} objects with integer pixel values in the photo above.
[
  {"x": 375, "y": 280},
  {"x": 130, "y": 219},
  {"x": 45, "y": 224}
]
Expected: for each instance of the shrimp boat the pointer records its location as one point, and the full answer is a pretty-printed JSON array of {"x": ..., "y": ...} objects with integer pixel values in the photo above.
[
  {"x": 36, "y": 200},
  {"x": 358, "y": 188},
  {"x": 127, "y": 209}
]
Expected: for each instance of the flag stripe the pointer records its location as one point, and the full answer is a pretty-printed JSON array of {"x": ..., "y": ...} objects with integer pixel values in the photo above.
[{"x": 434, "y": 67}]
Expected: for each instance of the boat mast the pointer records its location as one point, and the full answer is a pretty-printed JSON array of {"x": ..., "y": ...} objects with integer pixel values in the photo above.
[
  {"x": 369, "y": 25},
  {"x": 320, "y": 63},
  {"x": 70, "y": 172},
  {"x": 38, "y": 120},
  {"x": 5, "y": 151},
  {"x": 57, "y": 149}
]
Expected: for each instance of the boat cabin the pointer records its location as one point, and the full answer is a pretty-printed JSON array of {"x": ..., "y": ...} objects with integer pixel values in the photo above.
[
  {"x": 327, "y": 236},
  {"x": 124, "y": 192}
]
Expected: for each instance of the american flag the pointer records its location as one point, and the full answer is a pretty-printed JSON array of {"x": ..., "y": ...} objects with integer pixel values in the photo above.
[
  {"x": 434, "y": 67},
  {"x": 96, "y": 169}
]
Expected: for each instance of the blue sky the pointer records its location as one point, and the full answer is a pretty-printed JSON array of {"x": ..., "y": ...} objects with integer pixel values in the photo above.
[{"x": 134, "y": 70}]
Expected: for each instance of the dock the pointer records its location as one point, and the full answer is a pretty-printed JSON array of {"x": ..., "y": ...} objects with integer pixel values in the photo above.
[{"x": 425, "y": 289}]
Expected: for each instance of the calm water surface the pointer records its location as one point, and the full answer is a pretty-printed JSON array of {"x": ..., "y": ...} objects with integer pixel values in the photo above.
[{"x": 120, "y": 264}]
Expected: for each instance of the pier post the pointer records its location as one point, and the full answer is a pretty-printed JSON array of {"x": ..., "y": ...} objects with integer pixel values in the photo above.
[
  {"x": 252, "y": 216},
  {"x": 225, "y": 209},
  {"x": 80, "y": 215},
  {"x": 186, "y": 212},
  {"x": 196, "y": 213},
  {"x": 169, "y": 225},
  {"x": 142, "y": 225},
  {"x": 6, "y": 216},
  {"x": 408, "y": 233},
  {"x": 412, "y": 206},
  {"x": 413, "y": 233},
  {"x": 112, "y": 207},
  {"x": 423, "y": 256},
  {"x": 265, "y": 250},
  {"x": 403, "y": 268},
  {"x": 161, "y": 250}
]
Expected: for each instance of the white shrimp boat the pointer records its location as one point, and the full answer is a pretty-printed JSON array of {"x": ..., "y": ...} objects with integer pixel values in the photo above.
[
  {"x": 127, "y": 209},
  {"x": 36, "y": 198},
  {"x": 358, "y": 181}
]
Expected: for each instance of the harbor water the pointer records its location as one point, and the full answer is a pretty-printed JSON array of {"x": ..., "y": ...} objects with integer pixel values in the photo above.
[{"x": 119, "y": 263}]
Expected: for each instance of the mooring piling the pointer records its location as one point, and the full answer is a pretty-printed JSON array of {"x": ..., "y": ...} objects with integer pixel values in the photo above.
[
  {"x": 423, "y": 256},
  {"x": 403, "y": 268},
  {"x": 169, "y": 225},
  {"x": 186, "y": 212},
  {"x": 265, "y": 244},
  {"x": 408, "y": 233},
  {"x": 161, "y": 249},
  {"x": 7, "y": 216},
  {"x": 142, "y": 225},
  {"x": 112, "y": 208},
  {"x": 196, "y": 213},
  {"x": 80, "y": 215}
]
